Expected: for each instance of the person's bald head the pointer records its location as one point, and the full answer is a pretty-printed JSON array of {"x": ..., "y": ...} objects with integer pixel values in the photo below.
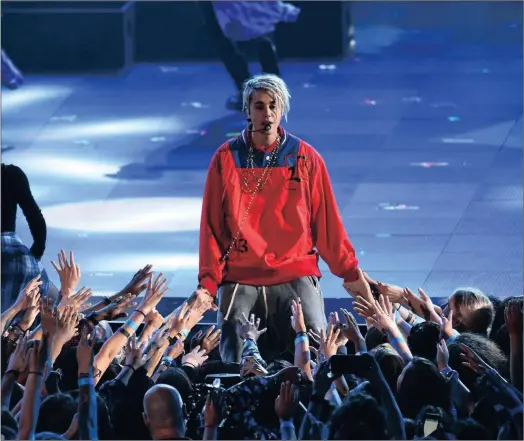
[{"x": 163, "y": 413}]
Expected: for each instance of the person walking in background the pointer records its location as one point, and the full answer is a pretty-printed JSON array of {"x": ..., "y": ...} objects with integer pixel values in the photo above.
[{"x": 239, "y": 27}]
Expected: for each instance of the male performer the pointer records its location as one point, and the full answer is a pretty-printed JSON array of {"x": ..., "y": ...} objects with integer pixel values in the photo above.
[{"x": 268, "y": 213}]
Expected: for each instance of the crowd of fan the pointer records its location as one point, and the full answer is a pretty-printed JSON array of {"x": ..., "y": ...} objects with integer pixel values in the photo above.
[{"x": 419, "y": 372}]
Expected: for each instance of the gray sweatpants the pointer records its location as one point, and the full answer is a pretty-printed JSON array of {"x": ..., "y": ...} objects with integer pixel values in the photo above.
[{"x": 272, "y": 304}]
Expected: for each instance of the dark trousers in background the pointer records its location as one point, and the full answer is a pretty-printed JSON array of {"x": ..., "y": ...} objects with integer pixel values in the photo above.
[
  {"x": 233, "y": 54},
  {"x": 272, "y": 304}
]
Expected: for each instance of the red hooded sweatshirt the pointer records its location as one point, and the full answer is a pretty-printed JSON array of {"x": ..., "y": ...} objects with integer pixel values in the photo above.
[{"x": 292, "y": 220}]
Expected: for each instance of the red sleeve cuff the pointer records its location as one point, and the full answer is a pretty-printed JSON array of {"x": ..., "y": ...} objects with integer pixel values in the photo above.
[
  {"x": 351, "y": 275},
  {"x": 211, "y": 286}
]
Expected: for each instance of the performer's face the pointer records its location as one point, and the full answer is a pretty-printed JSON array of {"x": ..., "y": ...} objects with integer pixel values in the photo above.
[{"x": 264, "y": 109}]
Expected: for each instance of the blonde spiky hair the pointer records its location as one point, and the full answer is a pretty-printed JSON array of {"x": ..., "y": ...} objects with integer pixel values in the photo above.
[{"x": 271, "y": 84}]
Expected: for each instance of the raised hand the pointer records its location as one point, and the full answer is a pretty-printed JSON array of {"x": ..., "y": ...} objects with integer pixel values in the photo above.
[
  {"x": 513, "y": 317},
  {"x": 67, "y": 322},
  {"x": 364, "y": 308},
  {"x": 195, "y": 358},
  {"x": 115, "y": 310},
  {"x": 422, "y": 306},
  {"x": 134, "y": 355},
  {"x": 159, "y": 338},
  {"x": 69, "y": 273},
  {"x": 181, "y": 319},
  {"x": 329, "y": 343},
  {"x": 384, "y": 318},
  {"x": 213, "y": 409},
  {"x": 154, "y": 293},
  {"x": 26, "y": 298},
  {"x": 447, "y": 325},
  {"x": 427, "y": 307},
  {"x": 31, "y": 306},
  {"x": 470, "y": 359},
  {"x": 350, "y": 329},
  {"x": 286, "y": 404},
  {"x": 48, "y": 317},
  {"x": 442, "y": 355},
  {"x": 194, "y": 317},
  {"x": 297, "y": 316},
  {"x": 137, "y": 284},
  {"x": 84, "y": 352},
  {"x": 78, "y": 300},
  {"x": 249, "y": 328},
  {"x": 335, "y": 321},
  {"x": 18, "y": 359},
  {"x": 175, "y": 350},
  {"x": 195, "y": 341},
  {"x": 208, "y": 341}
]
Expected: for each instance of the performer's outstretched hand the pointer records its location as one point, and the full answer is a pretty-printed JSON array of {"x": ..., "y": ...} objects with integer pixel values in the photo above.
[
  {"x": 359, "y": 288},
  {"x": 202, "y": 300}
]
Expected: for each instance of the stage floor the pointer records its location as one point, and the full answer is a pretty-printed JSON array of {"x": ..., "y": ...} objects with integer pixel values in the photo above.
[{"x": 424, "y": 150}]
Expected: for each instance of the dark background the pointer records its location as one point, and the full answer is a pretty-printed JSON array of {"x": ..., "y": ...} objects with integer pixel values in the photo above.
[{"x": 67, "y": 36}]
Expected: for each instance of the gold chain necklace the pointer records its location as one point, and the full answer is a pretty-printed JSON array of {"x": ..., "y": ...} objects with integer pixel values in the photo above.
[
  {"x": 261, "y": 181},
  {"x": 266, "y": 173}
]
